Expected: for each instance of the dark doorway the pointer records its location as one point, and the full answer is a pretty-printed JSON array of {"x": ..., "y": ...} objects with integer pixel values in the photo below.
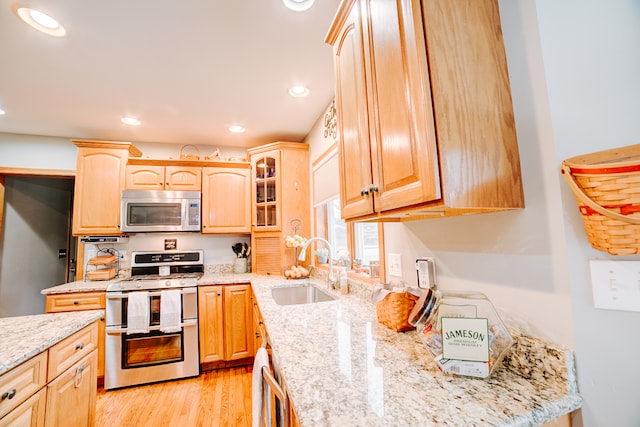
[{"x": 35, "y": 241}]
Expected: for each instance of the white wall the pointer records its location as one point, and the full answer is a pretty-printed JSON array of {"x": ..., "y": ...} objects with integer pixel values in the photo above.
[
  {"x": 591, "y": 56},
  {"x": 37, "y": 152}
]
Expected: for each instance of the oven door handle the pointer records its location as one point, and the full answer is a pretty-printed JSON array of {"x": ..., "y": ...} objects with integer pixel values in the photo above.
[
  {"x": 123, "y": 295},
  {"x": 119, "y": 331}
]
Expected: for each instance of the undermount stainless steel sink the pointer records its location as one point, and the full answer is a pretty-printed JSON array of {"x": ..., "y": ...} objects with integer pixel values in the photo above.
[{"x": 303, "y": 294}]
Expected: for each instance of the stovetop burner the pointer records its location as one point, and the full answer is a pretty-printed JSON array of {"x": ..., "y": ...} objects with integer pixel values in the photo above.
[{"x": 162, "y": 270}]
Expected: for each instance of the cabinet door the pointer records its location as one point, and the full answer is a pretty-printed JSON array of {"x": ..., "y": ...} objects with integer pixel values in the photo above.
[
  {"x": 238, "y": 317},
  {"x": 182, "y": 178},
  {"x": 99, "y": 182},
  {"x": 210, "y": 322},
  {"x": 226, "y": 200},
  {"x": 258, "y": 326},
  {"x": 267, "y": 253},
  {"x": 266, "y": 190},
  {"x": 144, "y": 177},
  {"x": 29, "y": 413},
  {"x": 402, "y": 131},
  {"x": 71, "y": 398},
  {"x": 351, "y": 100}
]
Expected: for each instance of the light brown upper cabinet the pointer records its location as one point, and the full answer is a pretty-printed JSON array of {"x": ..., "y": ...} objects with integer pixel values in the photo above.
[
  {"x": 100, "y": 177},
  {"x": 279, "y": 203},
  {"x": 425, "y": 118},
  {"x": 226, "y": 199},
  {"x": 157, "y": 177}
]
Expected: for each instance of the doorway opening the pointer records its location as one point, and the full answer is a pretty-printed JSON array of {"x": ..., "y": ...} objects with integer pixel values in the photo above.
[{"x": 37, "y": 250}]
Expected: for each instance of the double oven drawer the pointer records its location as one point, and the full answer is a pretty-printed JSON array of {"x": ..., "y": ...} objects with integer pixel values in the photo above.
[{"x": 138, "y": 358}]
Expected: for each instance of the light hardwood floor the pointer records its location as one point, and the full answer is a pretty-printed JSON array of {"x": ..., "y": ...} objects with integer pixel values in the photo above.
[{"x": 220, "y": 397}]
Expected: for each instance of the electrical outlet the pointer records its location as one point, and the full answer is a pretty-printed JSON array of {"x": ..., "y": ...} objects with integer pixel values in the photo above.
[
  {"x": 395, "y": 265},
  {"x": 616, "y": 284}
]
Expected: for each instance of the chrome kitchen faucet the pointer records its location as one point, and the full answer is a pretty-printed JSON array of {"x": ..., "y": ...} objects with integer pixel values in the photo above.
[{"x": 330, "y": 280}]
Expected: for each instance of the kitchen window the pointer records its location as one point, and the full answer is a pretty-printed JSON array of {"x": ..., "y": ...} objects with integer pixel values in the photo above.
[{"x": 361, "y": 240}]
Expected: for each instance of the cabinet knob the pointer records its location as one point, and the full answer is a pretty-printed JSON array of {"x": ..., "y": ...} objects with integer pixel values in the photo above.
[
  {"x": 373, "y": 188},
  {"x": 76, "y": 303},
  {"x": 79, "y": 346},
  {"x": 9, "y": 394},
  {"x": 364, "y": 192}
]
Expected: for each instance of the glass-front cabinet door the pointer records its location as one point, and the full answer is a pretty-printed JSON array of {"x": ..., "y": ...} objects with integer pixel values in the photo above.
[{"x": 266, "y": 190}]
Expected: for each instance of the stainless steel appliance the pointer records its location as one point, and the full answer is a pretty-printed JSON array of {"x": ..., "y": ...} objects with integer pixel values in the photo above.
[
  {"x": 160, "y": 210},
  {"x": 138, "y": 358}
]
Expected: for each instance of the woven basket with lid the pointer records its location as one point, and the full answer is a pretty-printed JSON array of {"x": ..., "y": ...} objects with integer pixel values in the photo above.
[{"x": 606, "y": 185}]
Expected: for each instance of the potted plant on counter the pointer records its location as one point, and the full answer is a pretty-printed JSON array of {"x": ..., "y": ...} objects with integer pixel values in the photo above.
[{"x": 322, "y": 254}]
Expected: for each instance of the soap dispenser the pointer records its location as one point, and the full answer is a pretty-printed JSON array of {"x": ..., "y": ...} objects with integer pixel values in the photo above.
[{"x": 344, "y": 281}]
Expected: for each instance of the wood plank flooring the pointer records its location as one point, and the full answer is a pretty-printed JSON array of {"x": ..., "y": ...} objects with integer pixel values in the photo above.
[{"x": 219, "y": 397}]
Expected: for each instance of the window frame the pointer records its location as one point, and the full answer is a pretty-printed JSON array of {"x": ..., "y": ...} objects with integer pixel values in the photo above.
[{"x": 320, "y": 223}]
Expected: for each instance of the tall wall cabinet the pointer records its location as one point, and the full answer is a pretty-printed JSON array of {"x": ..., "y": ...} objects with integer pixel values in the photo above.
[
  {"x": 425, "y": 118},
  {"x": 100, "y": 179},
  {"x": 279, "y": 203}
]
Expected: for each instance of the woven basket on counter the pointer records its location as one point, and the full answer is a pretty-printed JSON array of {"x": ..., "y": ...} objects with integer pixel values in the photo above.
[
  {"x": 393, "y": 311},
  {"x": 606, "y": 185}
]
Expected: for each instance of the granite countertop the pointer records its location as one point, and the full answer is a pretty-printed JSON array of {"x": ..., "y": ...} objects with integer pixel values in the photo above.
[
  {"x": 341, "y": 367},
  {"x": 23, "y": 337},
  {"x": 209, "y": 278}
]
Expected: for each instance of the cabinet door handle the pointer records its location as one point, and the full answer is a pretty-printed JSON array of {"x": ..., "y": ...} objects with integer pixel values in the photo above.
[
  {"x": 76, "y": 303},
  {"x": 364, "y": 191},
  {"x": 9, "y": 394},
  {"x": 373, "y": 188},
  {"x": 79, "y": 346},
  {"x": 257, "y": 335},
  {"x": 77, "y": 380}
]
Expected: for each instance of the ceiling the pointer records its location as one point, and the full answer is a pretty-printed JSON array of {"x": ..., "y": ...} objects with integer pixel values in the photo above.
[{"x": 187, "y": 69}]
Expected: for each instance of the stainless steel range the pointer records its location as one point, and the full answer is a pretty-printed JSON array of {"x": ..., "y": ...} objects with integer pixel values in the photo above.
[{"x": 152, "y": 320}]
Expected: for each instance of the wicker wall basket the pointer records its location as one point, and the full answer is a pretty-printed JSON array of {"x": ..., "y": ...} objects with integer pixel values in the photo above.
[
  {"x": 606, "y": 185},
  {"x": 393, "y": 311}
]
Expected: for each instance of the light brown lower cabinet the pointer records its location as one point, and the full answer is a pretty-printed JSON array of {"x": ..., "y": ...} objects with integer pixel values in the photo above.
[
  {"x": 71, "y": 398},
  {"x": 29, "y": 413},
  {"x": 66, "y": 397},
  {"x": 225, "y": 317},
  {"x": 80, "y": 301}
]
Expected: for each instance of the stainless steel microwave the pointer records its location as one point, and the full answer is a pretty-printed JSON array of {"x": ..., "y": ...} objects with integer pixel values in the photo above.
[{"x": 159, "y": 210}]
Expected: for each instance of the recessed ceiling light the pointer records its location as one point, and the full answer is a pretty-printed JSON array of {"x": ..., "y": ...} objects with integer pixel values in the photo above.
[
  {"x": 298, "y": 5},
  {"x": 298, "y": 91},
  {"x": 131, "y": 121},
  {"x": 41, "y": 21},
  {"x": 236, "y": 129},
  {"x": 2, "y": 112}
]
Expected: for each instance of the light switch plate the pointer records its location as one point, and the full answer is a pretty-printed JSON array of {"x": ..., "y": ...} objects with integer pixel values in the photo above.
[
  {"x": 395, "y": 265},
  {"x": 616, "y": 284}
]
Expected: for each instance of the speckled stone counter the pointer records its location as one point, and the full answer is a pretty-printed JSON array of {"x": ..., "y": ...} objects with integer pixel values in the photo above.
[
  {"x": 342, "y": 368},
  {"x": 23, "y": 337},
  {"x": 79, "y": 286}
]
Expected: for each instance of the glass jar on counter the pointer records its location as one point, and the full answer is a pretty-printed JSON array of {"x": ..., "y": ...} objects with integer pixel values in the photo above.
[{"x": 427, "y": 317}]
